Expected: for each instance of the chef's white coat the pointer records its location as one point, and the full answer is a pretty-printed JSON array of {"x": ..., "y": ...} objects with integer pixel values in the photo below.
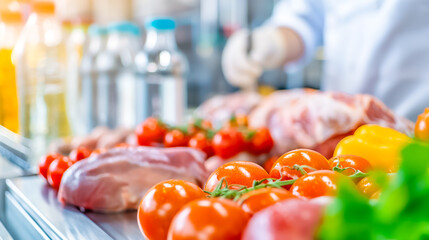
[{"x": 379, "y": 47}]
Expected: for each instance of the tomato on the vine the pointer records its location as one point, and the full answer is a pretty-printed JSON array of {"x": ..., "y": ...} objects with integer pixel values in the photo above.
[
  {"x": 350, "y": 161},
  {"x": 421, "y": 129},
  {"x": 56, "y": 171},
  {"x": 228, "y": 142},
  {"x": 316, "y": 184},
  {"x": 161, "y": 203},
  {"x": 283, "y": 167},
  {"x": 270, "y": 163},
  {"x": 259, "y": 199},
  {"x": 261, "y": 142},
  {"x": 239, "y": 172},
  {"x": 175, "y": 138},
  {"x": 45, "y": 161},
  {"x": 79, "y": 154},
  {"x": 150, "y": 131},
  {"x": 201, "y": 142},
  {"x": 208, "y": 219}
]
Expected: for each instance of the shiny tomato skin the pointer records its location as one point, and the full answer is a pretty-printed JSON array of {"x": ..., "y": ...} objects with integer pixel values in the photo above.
[
  {"x": 175, "y": 138},
  {"x": 228, "y": 142},
  {"x": 261, "y": 142},
  {"x": 352, "y": 161},
  {"x": 161, "y": 203},
  {"x": 208, "y": 219},
  {"x": 45, "y": 161},
  {"x": 238, "y": 172},
  {"x": 56, "y": 171},
  {"x": 200, "y": 141},
  {"x": 150, "y": 131},
  {"x": 79, "y": 154},
  {"x": 421, "y": 129},
  {"x": 282, "y": 167},
  {"x": 268, "y": 165},
  {"x": 316, "y": 184},
  {"x": 259, "y": 199}
]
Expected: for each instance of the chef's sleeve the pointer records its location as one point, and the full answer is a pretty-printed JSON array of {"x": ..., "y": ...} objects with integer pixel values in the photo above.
[{"x": 306, "y": 17}]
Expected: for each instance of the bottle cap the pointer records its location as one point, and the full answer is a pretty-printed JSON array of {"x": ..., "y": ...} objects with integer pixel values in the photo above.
[
  {"x": 161, "y": 24},
  {"x": 44, "y": 7},
  {"x": 10, "y": 16},
  {"x": 125, "y": 27},
  {"x": 97, "y": 30}
]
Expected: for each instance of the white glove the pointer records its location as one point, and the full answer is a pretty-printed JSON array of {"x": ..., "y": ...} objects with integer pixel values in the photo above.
[{"x": 268, "y": 51}]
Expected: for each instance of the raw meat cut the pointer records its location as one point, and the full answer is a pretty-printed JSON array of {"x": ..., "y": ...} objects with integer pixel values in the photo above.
[
  {"x": 319, "y": 120},
  {"x": 117, "y": 179},
  {"x": 292, "y": 219},
  {"x": 100, "y": 137},
  {"x": 219, "y": 109}
]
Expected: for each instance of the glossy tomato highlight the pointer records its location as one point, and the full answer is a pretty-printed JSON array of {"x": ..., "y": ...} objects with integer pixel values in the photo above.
[
  {"x": 208, "y": 219},
  {"x": 259, "y": 199},
  {"x": 161, "y": 203},
  {"x": 150, "y": 131},
  {"x": 56, "y": 170},
  {"x": 228, "y": 142},
  {"x": 45, "y": 161},
  {"x": 350, "y": 161},
  {"x": 239, "y": 172},
  {"x": 282, "y": 168},
  {"x": 316, "y": 184}
]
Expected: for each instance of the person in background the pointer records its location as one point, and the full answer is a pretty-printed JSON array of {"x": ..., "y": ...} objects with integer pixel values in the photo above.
[{"x": 378, "y": 47}]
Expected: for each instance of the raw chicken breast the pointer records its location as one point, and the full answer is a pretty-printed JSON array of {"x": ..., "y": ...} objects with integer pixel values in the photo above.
[
  {"x": 319, "y": 120},
  {"x": 117, "y": 179}
]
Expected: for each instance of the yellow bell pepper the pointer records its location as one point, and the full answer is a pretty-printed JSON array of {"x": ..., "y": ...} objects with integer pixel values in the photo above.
[{"x": 379, "y": 145}]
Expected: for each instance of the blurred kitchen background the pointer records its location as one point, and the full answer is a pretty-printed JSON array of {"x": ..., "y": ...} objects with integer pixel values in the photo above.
[{"x": 87, "y": 28}]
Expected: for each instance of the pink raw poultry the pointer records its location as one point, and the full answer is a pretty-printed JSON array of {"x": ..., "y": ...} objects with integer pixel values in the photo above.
[
  {"x": 117, "y": 179},
  {"x": 319, "y": 120}
]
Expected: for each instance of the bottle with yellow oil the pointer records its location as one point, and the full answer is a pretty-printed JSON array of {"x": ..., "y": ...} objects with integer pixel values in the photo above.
[
  {"x": 10, "y": 27},
  {"x": 41, "y": 71}
]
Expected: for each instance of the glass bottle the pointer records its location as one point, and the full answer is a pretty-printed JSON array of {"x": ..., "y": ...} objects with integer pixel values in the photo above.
[
  {"x": 116, "y": 81},
  {"x": 10, "y": 27},
  {"x": 89, "y": 75},
  {"x": 41, "y": 72},
  {"x": 75, "y": 50},
  {"x": 161, "y": 74}
]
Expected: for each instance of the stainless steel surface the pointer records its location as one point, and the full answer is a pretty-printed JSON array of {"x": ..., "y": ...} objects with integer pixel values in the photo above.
[
  {"x": 4, "y": 234},
  {"x": 67, "y": 222}
]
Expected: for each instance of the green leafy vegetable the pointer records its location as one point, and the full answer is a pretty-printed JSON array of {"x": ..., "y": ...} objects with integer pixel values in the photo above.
[{"x": 402, "y": 212}]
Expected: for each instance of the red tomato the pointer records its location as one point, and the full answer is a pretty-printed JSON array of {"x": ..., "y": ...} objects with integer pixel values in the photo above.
[
  {"x": 45, "y": 161},
  {"x": 79, "y": 154},
  {"x": 352, "y": 161},
  {"x": 282, "y": 167},
  {"x": 208, "y": 219},
  {"x": 56, "y": 171},
  {"x": 150, "y": 131},
  {"x": 239, "y": 172},
  {"x": 161, "y": 203},
  {"x": 228, "y": 142},
  {"x": 421, "y": 129},
  {"x": 262, "y": 142},
  {"x": 269, "y": 163},
  {"x": 200, "y": 141},
  {"x": 316, "y": 184},
  {"x": 175, "y": 138},
  {"x": 257, "y": 200}
]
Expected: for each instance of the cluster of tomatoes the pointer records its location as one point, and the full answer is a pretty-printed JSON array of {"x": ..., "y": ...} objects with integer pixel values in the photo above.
[
  {"x": 235, "y": 137},
  {"x": 176, "y": 209},
  {"x": 53, "y": 166}
]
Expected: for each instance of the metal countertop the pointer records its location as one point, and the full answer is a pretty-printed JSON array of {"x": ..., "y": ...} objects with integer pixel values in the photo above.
[{"x": 40, "y": 202}]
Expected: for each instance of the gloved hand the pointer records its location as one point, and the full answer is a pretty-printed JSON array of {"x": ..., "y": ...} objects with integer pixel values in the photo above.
[{"x": 269, "y": 50}]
